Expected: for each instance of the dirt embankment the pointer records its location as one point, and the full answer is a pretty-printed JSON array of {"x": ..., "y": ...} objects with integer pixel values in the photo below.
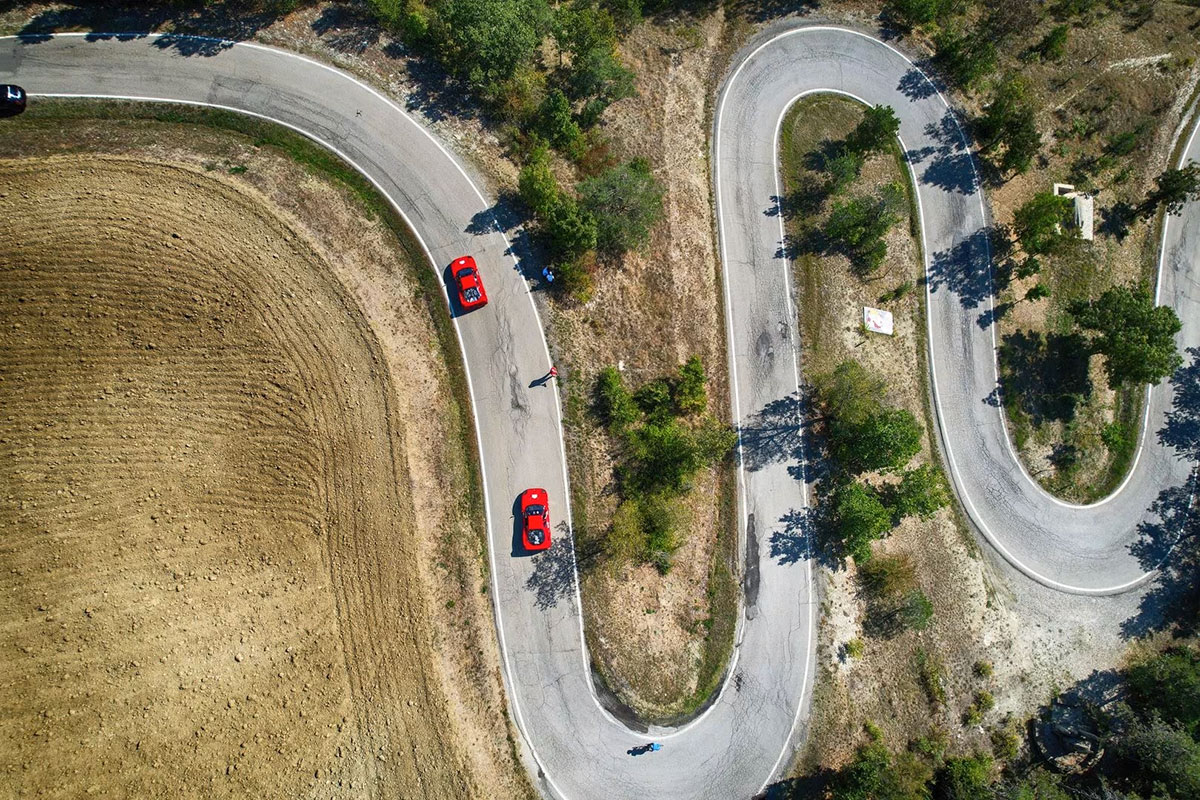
[{"x": 212, "y": 586}]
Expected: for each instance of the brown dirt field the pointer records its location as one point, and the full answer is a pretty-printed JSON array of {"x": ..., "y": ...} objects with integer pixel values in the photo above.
[
  {"x": 969, "y": 624},
  {"x": 211, "y": 591}
]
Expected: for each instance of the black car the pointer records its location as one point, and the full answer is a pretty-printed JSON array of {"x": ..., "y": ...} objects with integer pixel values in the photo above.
[{"x": 12, "y": 100}]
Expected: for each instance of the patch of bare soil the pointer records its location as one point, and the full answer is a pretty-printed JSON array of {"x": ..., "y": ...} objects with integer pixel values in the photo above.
[
  {"x": 213, "y": 586},
  {"x": 884, "y": 683}
]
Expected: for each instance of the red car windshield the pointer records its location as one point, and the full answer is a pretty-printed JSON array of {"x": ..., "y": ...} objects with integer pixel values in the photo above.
[{"x": 535, "y": 511}]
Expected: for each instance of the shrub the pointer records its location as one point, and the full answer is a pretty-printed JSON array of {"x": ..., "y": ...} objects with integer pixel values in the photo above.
[
  {"x": 627, "y": 202},
  {"x": 538, "y": 187},
  {"x": 921, "y": 492},
  {"x": 888, "y": 576},
  {"x": 911, "y": 611},
  {"x": 932, "y": 676},
  {"x": 964, "y": 778},
  {"x": 555, "y": 121},
  {"x": 911, "y": 14},
  {"x": 1040, "y": 221},
  {"x": 859, "y": 518},
  {"x": 659, "y": 523},
  {"x": 690, "y": 392},
  {"x": 613, "y": 402},
  {"x": 983, "y": 669},
  {"x": 570, "y": 231},
  {"x": 855, "y": 648}
]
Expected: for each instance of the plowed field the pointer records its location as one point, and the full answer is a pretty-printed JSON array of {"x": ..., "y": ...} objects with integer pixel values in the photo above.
[{"x": 209, "y": 581}]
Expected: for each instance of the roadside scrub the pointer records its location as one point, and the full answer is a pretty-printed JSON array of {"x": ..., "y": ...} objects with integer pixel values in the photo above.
[{"x": 900, "y": 629}]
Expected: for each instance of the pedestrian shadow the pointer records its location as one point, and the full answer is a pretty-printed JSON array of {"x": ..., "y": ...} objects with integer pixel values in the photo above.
[{"x": 553, "y": 575}]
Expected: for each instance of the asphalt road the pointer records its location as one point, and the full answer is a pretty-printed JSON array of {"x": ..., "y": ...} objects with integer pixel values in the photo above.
[{"x": 573, "y": 747}]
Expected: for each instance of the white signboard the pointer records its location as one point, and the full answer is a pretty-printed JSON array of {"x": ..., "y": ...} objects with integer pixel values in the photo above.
[{"x": 877, "y": 320}]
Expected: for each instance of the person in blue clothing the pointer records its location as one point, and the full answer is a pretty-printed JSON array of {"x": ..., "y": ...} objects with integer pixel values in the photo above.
[{"x": 655, "y": 747}]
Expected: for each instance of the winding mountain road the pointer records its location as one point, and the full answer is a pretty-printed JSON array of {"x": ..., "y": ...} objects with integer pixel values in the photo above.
[{"x": 576, "y": 749}]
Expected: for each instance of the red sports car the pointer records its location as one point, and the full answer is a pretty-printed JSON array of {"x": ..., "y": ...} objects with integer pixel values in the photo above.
[
  {"x": 535, "y": 519},
  {"x": 470, "y": 286}
]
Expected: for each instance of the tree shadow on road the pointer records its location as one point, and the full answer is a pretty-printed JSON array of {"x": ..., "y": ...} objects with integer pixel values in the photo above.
[
  {"x": 226, "y": 20},
  {"x": 963, "y": 270},
  {"x": 553, "y": 575},
  {"x": 1168, "y": 541}
]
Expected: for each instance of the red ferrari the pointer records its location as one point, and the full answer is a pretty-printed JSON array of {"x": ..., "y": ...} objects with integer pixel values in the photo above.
[
  {"x": 535, "y": 518},
  {"x": 470, "y": 287}
]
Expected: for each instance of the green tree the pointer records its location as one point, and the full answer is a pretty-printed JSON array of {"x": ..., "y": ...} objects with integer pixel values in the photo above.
[
  {"x": 850, "y": 393},
  {"x": 966, "y": 58},
  {"x": 660, "y": 455},
  {"x": 1175, "y": 187},
  {"x": 1009, "y": 122},
  {"x": 484, "y": 41},
  {"x": 859, "y": 519},
  {"x": 626, "y": 201},
  {"x": 555, "y": 122},
  {"x": 570, "y": 231},
  {"x": 843, "y": 169},
  {"x": 598, "y": 77},
  {"x": 910, "y": 14},
  {"x": 1169, "y": 684},
  {"x": 1054, "y": 43},
  {"x": 1136, "y": 337},
  {"x": 921, "y": 493},
  {"x": 582, "y": 27},
  {"x": 538, "y": 187},
  {"x": 654, "y": 398},
  {"x": 690, "y": 388},
  {"x": 857, "y": 227},
  {"x": 884, "y": 440},
  {"x": 1039, "y": 223},
  {"x": 875, "y": 131},
  {"x": 964, "y": 778},
  {"x": 625, "y": 13},
  {"x": 613, "y": 401},
  {"x": 1164, "y": 758}
]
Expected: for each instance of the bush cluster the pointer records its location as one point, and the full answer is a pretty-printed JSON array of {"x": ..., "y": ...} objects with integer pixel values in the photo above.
[
  {"x": 663, "y": 437},
  {"x": 614, "y": 212},
  {"x": 865, "y": 435}
]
